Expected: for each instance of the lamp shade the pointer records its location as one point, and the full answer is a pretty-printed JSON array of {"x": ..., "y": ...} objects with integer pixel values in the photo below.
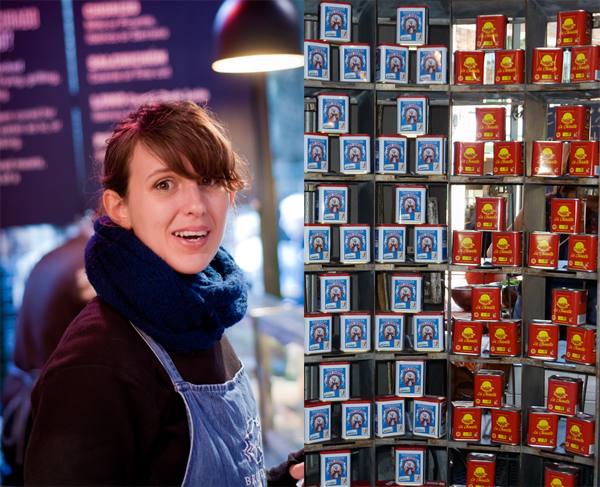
[{"x": 256, "y": 36}]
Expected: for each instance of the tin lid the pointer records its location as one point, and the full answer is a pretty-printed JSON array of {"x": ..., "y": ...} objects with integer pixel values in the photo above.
[
  {"x": 411, "y": 186},
  {"x": 468, "y": 319},
  {"x": 317, "y": 41},
  {"x": 410, "y": 448},
  {"x": 551, "y": 142},
  {"x": 429, "y": 313},
  {"x": 562, "y": 468},
  {"x": 388, "y": 398},
  {"x": 401, "y": 361},
  {"x": 481, "y": 457},
  {"x": 544, "y": 234},
  {"x": 431, "y": 136},
  {"x": 358, "y": 400},
  {"x": 314, "y": 403},
  {"x": 389, "y": 313},
  {"x": 489, "y": 372},
  {"x": 350, "y": 44},
  {"x": 338, "y": 95},
  {"x": 411, "y": 6},
  {"x": 354, "y": 135},
  {"x": 491, "y": 285},
  {"x": 391, "y": 45},
  {"x": 430, "y": 225},
  {"x": 581, "y": 327},
  {"x": 352, "y": 313},
  {"x": 563, "y": 378},
  {"x": 335, "y": 3},
  {"x": 317, "y": 225},
  {"x": 430, "y": 46},
  {"x": 490, "y": 16},
  {"x": 468, "y": 51},
  {"x": 408, "y": 275},
  {"x": 504, "y": 322},
  {"x": 362, "y": 225},
  {"x": 508, "y": 51},
  {"x": 334, "y": 452},
  {"x": 435, "y": 399},
  {"x": 514, "y": 409},
  {"x": 570, "y": 107},
  {"x": 500, "y": 234},
  {"x": 588, "y": 418},
  {"x": 586, "y": 235},
  {"x": 543, "y": 323},
  {"x": 390, "y": 225},
  {"x": 568, "y": 289},
  {"x": 548, "y": 49},
  {"x": 317, "y": 315},
  {"x": 462, "y": 404},
  {"x": 335, "y": 274},
  {"x": 392, "y": 137},
  {"x": 316, "y": 134},
  {"x": 538, "y": 410},
  {"x": 413, "y": 96},
  {"x": 332, "y": 185},
  {"x": 325, "y": 364}
]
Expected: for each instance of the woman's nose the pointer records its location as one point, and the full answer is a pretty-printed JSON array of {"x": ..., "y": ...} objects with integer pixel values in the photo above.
[{"x": 193, "y": 198}]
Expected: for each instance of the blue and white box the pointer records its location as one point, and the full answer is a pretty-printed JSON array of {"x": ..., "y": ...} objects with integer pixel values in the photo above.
[
  {"x": 317, "y": 333},
  {"x": 428, "y": 332},
  {"x": 411, "y": 203},
  {"x": 432, "y": 65},
  {"x": 389, "y": 416},
  {"x": 317, "y": 243},
  {"x": 391, "y": 64},
  {"x": 412, "y": 25},
  {"x": 390, "y": 154},
  {"x": 317, "y": 55},
  {"x": 332, "y": 203},
  {"x": 335, "y": 381},
  {"x": 355, "y": 244},
  {"x": 355, "y": 154},
  {"x": 413, "y": 114},
  {"x": 335, "y": 468},
  {"x": 333, "y": 113},
  {"x": 356, "y": 419},
  {"x": 410, "y": 465},
  {"x": 407, "y": 293},
  {"x": 389, "y": 331},
  {"x": 429, "y": 413},
  {"x": 355, "y": 62},
  {"x": 316, "y": 152},
  {"x": 410, "y": 378},
  {"x": 431, "y": 244},
  {"x": 317, "y": 421},
  {"x": 334, "y": 292},
  {"x": 335, "y": 20},
  {"x": 430, "y": 154},
  {"x": 355, "y": 332},
  {"x": 390, "y": 243}
]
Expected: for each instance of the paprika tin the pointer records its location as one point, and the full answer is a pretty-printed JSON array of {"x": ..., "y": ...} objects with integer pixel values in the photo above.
[
  {"x": 389, "y": 416},
  {"x": 573, "y": 28},
  {"x": 316, "y": 152},
  {"x": 390, "y": 154},
  {"x": 412, "y": 114},
  {"x": 411, "y": 203},
  {"x": 490, "y": 123},
  {"x": 508, "y": 158},
  {"x": 490, "y": 32},
  {"x": 564, "y": 395},
  {"x": 509, "y": 67},
  {"x": 389, "y": 331},
  {"x": 410, "y": 465},
  {"x": 355, "y": 241},
  {"x": 481, "y": 470},
  {"x": 428, "y": 332},
  {"x": 432, "y": 65},
  {"x": 505, "y": 338},
  {"x": 469, "y": 67},
  {"x": 412, "y": 24},
  {"x": 486, "y": 302},
  {"x": 317, "y": 421},
  {"x": 572, "y": 123},
  {"x": 335, "y": 468},
  {"x": 430, "y": 416},
  {"x": 431, "y": 244},
  {"x": 466, "y": 247},
  {"x": 569, "y": 306},
  {"x": 391, "y": 64},
  {"x": 356, "y": 418},
  {"x": 547, "y": 65},
  {"x": 317, "y": 243},
  {"x": 407, "y": 292},
  {"x": 542, "y": 428},
  {"x": 543, "y": 340},
  {"x": 334, "y": 292},
  {"x": 355, "y": 62},
  {"x": 390, "y": 243},
  {"x": 585, "y": 64},
  {"x": 507, "y": 249},
  {"x": 355, "y": 332},
  {"x": 580, "y": 434},
  {"x": 317, "y": 55},
  {"x": 581, "y": 345},
  {"x": 333, "y": 113},
  {"x": 466, "y": 337},
  {"x": 469, "y": 158},
  {"x": 550, "y": 158},
  {"x": 488, "y": 388},
  {"x": 566, "y": 215},
  {"x": 335, "y": 20},
  {"x": 317, "y": 333},
  {"x": 561, "y": 474},
  {"x": 466, "y": 421},
  {"x": 410, "y": 378},
  {"x": 335, "y": 381},
  {"x": 490, "y": 213},
  {"x": 332, "y": 203},
  {"x": 430, "y": 154},
  {"x": 584, "y": 160},
  {"x": 355, "y": 154},
  {"x": 506, "y": 425},
  {"x": 543, "y": 250}
]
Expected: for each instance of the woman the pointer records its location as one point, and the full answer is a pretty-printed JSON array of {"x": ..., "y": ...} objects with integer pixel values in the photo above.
[{"x": 144, "y": 388}]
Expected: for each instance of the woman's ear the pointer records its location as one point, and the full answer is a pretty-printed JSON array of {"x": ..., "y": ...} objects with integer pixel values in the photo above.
[
  {"x": 116, "y": 209},
  {"x": 231, "y": 197}
]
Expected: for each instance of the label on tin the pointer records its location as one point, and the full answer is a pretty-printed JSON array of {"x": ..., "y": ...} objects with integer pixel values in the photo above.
[
  {"x": 319, "y": 334},
  {"x": 410, "y": 204},
  {"x": 584, "y": 159},
  {"x": 542, "y": 430},
  {"x": 469, "y": 158},
  {"x": 334, "y": 115},
  {"x": 335, "y": 22},
  {"x": 431, "y": 65},
  {"x": 429, "y": 418},
  {"x": 411, "y": 25},
  {"x": 509, "y": 66},
  {"x": 506, "y": 426},
  {"x": 318, "y": 244},
  {"x": 409, "y": 467},
  {"x": 333, "y": 293},
  {"x": 407, "y": 293},
  {"x": 563, "y": 396},
  {"x": 390, "y": 332},
  {"x": 317, "y": 61},
  {"x": 430, "y": 156},
  {"x": 357, "y": 420},
  {"x": 585, "y": 63},
  {"x": 356, "y": 333},
  {"x": 466, "y": 338},
  {"x": 390, "y": 245},
  {"x": 412, "y": 116},
  {"x": 466, "y": 424},
  {"x": 491, "y": 32},
  {"x": 355, "y": 63},
  {"x": 506, "y": 249},
  {"x": 489, "y": 391},
  {"x": 335, "y": 470},
  {"x": 389, "y": 420},
  {"x": 431, "y": 244},
  {"x": 391, "y": 155},
  {"x": 392, "y": 64},
  {"x": 355, "y": 154},
  {"x": 581, "y": 345},
  {"x": 490, "y": 123},
  {"x": 316, "y": 153},
  {"x": 333, "y": 206},
  {"x": 572, "y": 123},
  {"x": 550, "y": 158},
  {"x": 466, "y": 247},
  {"x": 428, "y": 331},
  {"x": 319, "y": 428},
  {"x": 547, "y": 65},
  {"x": 355, "y": 244},
  {"x": 580, "y": 436},
  {"x": 505, "y": 338},
  {"x": 508, "y": 159},
  {"x": 543, "y": 250},
  {"x": 543, "y": 341},
  {"x": 334, "y": 384},
  {"x": 486, "y": 303},
  {"x": 569, "y": 306},
  {"x": 573, "y": 28},
  {"x": 410, "y": 380},
  {"x": 469, "y": 67}
]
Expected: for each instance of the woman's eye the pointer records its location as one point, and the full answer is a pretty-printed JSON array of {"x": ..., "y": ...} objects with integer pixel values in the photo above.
[
  {"x": 164, "y": 185},
  {"x": 207, "y": 182}
]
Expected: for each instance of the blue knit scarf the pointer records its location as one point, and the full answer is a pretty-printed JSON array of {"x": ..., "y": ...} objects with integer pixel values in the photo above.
[{"x": 183, "y": 313}]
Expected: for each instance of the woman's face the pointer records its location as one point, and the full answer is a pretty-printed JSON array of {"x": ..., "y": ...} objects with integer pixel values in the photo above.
[{"x": 182, "y": 220}]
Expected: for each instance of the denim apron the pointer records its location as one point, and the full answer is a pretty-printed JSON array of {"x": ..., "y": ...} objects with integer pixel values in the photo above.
[{"x": 225, "y": 433}]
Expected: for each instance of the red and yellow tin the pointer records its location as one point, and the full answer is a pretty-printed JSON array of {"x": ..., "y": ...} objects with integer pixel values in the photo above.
[
  {"x": 490, "y": 213},
  {"x": 564, "y": 395},
  {"x": 506, "y": 425},
  {"x": 583, "y": 253},
  {"x": 543, "y": 250},
  {"x": 547, "y": 65},
  {"x": 542, "y": 428},
  {"x": 508, "y": 159},
  {"x": 466, "y": 337},
  {"x": 481, "y": 470},
  {"x": 581, "y": 344},
  {"x": 469, "y": 158},
  {"x": 569, "y": 306},
  {"x": 543, "y": 340},
  {"x": 486, "y": 303},
  {"x": 566, "y": 215},
  {"x": 573, "y": 28},
  {"x": 507, "y": 249},
  {"x": 466, "y": 421},
  {"x": 550, "y": 158},
  {"x": 469, "y": 67},
  {"x": 585, "y": 64},
  {"x": 466, "y": 247},
  {"x": 572, "y": 123},
  {"x": 488, "y": 388},
  {"x": 561, "y": 475},
  {"x": 505, "y": 338},
  {"x": 585, "y": 159},
  {"x": 490, "y": 32},
  {"x": 490, "y": 123},
  {"x": 509, "y": 66},
  {"x": 580, "y": 434}
]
